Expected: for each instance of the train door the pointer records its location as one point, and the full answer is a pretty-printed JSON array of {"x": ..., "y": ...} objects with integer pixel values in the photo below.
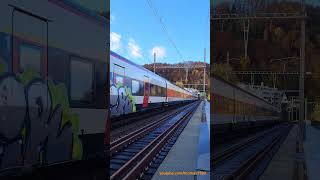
[
  {"x": 146, "y": 92},
  {"x": 29, "y": 64},
  {"x": 166, "y": 93}
]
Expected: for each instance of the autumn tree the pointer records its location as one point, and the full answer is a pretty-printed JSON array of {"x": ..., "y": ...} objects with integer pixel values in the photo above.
[
  {"x": 224, "y": 71},
  {"x": 244, "y": 63}
]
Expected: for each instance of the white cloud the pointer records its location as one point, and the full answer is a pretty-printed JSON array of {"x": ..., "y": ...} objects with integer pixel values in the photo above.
[
  {"x": 134, "y": 49},
  {"x": 115, "y": 41},
  {"x": 160, "y": 52}
]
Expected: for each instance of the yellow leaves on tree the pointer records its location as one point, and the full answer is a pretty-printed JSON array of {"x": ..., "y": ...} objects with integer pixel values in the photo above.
[
  {"x": 244, "y": 63},
  {"x": 179, "y": 83},
  {"x": 223, "y": 71},
  {"x": 316, "y": 113}
]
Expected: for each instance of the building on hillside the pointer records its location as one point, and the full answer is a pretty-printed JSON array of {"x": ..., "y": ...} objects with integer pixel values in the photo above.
[{"x": 272, "y": 95}]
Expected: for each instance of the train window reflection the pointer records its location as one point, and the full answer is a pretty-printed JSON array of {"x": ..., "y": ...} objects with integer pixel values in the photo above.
[
  {"x": 81, "y": 80},
  {"x": 153, "y": 90},
  {"x": 30, "y": 58},
  {"x": 135, "y": 87},
  {"x": 119, "y": 79}
]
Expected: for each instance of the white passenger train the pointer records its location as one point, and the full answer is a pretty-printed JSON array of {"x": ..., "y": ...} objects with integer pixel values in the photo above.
[{"x": 134, "y": 88}]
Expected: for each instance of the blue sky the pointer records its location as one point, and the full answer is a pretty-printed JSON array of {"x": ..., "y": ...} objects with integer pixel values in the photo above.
[{"x": 136, "y": 32}]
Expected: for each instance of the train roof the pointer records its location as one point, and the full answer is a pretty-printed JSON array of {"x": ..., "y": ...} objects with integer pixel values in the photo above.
[
  {"x": 81, "y": 11},
  {"x": 239, "y": 88},
  {"x": 144, "y": 69}
]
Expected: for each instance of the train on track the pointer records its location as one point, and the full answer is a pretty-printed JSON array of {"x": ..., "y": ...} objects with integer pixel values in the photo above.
[
  {"x": 135, "y": 89},
  {"x": 234, "y": 105},
  {"x": 53, "y": 81}
]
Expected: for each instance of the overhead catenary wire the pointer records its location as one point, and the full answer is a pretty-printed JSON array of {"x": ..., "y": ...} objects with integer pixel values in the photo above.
[{"x": 164, "y": 27}]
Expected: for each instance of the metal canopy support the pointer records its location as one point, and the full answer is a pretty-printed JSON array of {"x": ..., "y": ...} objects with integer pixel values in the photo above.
[
  {"x": 246, "y": 26},
  {"x": 274, "y": 80},
  {"x": 302, "y": 73},
  {"x": 252, "y": 79}
]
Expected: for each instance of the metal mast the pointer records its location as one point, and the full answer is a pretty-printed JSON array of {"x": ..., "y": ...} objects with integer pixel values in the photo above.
[
  {"x": 302, "y": 71},
  {"x": 204, "y": 72}
]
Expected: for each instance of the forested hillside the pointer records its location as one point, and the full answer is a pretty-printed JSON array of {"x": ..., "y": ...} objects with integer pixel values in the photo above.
[
  {"x": 268, "y": 40},
  {"x": 178, "y": 75}
]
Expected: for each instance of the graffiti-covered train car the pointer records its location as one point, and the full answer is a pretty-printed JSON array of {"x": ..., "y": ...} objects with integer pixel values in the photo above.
[
  {"x": 134, "y": 88},
  {"x": 53, "y": 81}
]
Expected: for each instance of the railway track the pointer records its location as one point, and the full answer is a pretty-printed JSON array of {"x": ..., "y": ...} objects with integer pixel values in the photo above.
[
  {"x": 141, "y": 122},
  {"x": 234, "y": 132},
  {"x": 123, "y": 120},
  {"x": 139, "y": 153},
  {"x": 247, "y": 159}
]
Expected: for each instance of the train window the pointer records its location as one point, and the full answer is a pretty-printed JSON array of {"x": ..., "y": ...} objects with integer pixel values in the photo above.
[
  {"x": 81, "y": 77},
  {"x": 135, "y": 87},
  {"x": 163, "y": 92},
  {"x": 160, "y": 91},
  {"x": 141, "y": 91},
  {"x": 153, "y": 90},
  {"x": 30, "y": 58},
  {"x": 119, "y": 79},
  {"x": 118, "y": 74}
]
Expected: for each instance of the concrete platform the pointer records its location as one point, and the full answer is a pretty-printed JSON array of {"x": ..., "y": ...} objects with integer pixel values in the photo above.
[
  {"x": 282, "y": 164},
  {"x": 204, "y": 144},
  {"x": 312, "y": 151},
  {"x": 183, "y": 156}
]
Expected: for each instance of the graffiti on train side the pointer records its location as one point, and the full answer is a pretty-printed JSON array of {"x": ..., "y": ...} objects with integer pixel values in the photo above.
[
  {"x": 121, "y": 100},
  {"x": 36, "y": 124}
]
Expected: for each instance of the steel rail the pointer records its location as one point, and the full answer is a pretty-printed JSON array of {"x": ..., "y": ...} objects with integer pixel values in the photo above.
[
  {"x": 142, "y": 159},
  {"x": 131, "y": 137},
  {"x": 219, "y": 157},
  {"x": 252, "y": 162}
]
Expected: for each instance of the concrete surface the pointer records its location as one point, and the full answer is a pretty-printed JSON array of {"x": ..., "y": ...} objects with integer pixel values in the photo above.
[
  {"x": 281, "y": 166},
  {"x": 312, "y": 151},
  {"x": 184, "y": 153}
]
